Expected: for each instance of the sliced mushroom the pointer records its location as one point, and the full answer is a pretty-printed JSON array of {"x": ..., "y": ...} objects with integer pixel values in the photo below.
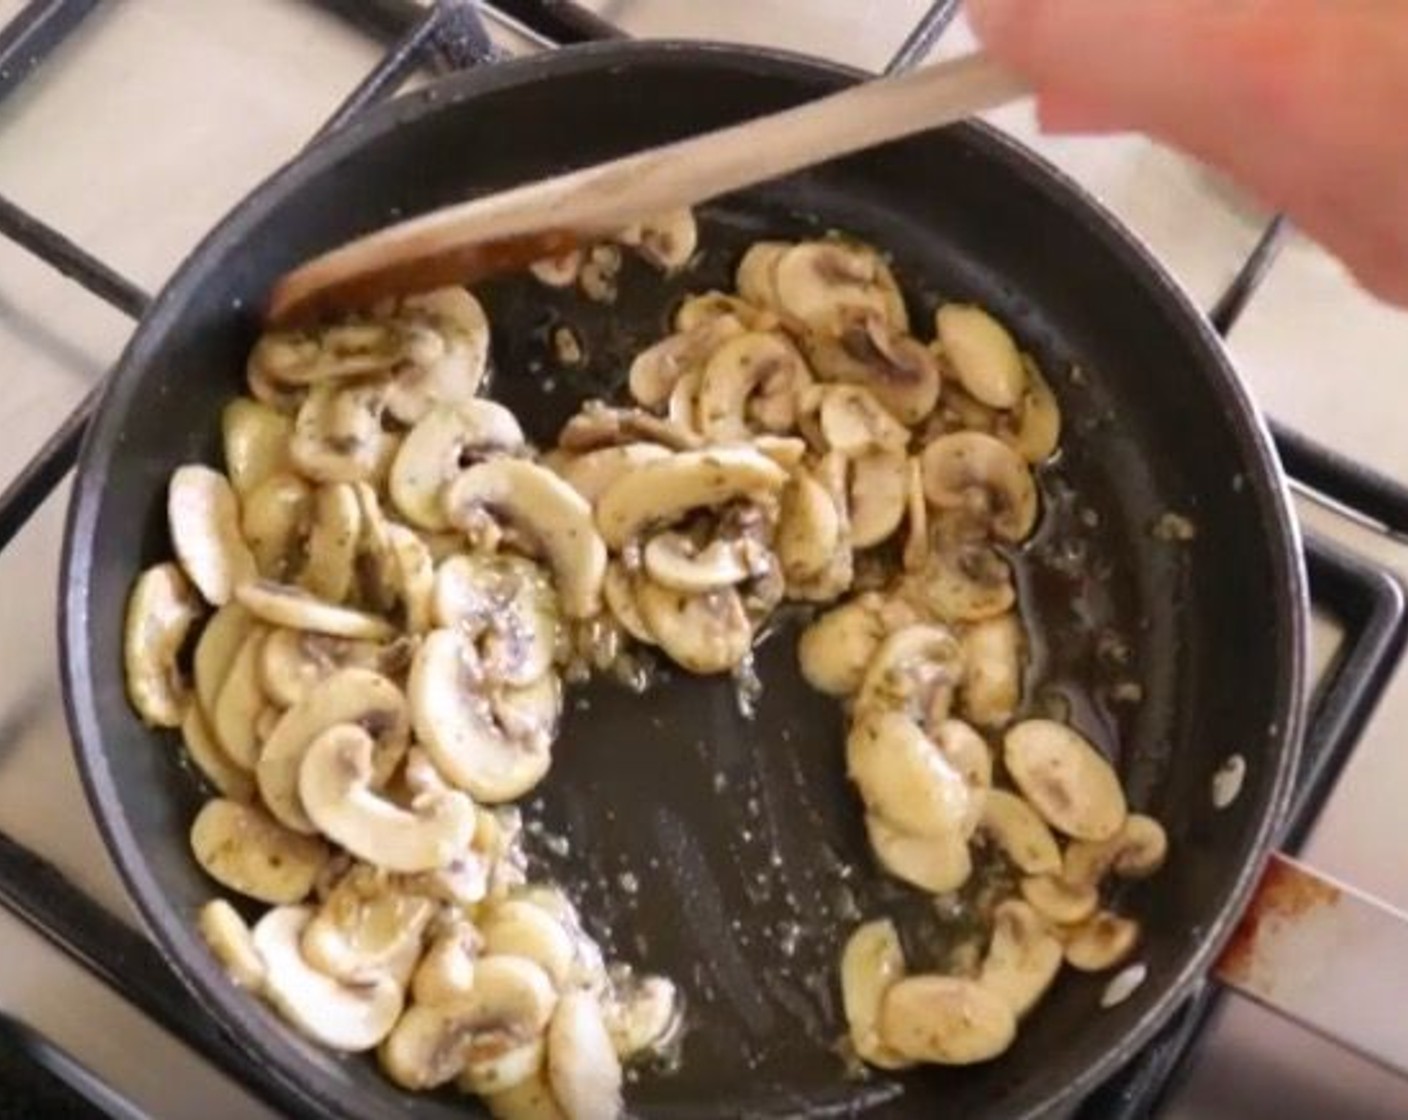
[
  {"x": 979, "y": 476},
  {"x": 992, "y": 670},
  {"x": 218, "y": 645},
  {"x": 506, "y": 605},
  {"x": 349, "y": 696},
  {"x": 1101, "y": 942},
  {"x": 334, "y": 788},
  {"x": 414, "y": 575},
  {"x": 530, "y": 1099},
  {"x": 591, "y": 473},
  {"x": 982, "y": 353},
  {"x": 1023, "y": 956},
  {"x": 916, "y": 541},
  {"x": 1056, "y": 900},
  {"x": 282, "y": 605},
  {"x": 904, "y": 778},
  {"x": 871, "y": 962},
  {"x": 937, "y": 864},
  {"x": 643, "y": 1015},
  {"x": 836, "y": 648},
  {"x": 448, "y": 438},
  {"x": 282, "y": 398},
  {"x": 553, "y": 515},
  {"x": 855, "y": 423},
  {"x": 337, "y": 435},
  {"x": 520, "y": 929},
  {"x": 878, "y": 492},
  {"x": 348, "y": 349},
  {"x": 241, "y": 847},
  {"x": 657, "y": 369},
  {"x": 695, "y": 311},
  {"x": 619, "y": 590},
  {"x": 232, "y": 943},
  {"x": 946, "y": 1020},
  {"x": 509, "y": 1005},
  {"x": 1071, "y": 893},
  {"x": 367, "y": 928},
  {"x": 1034, "y": 431},
  {"x": 583, "y": 1069},
  {"x": 674, "y": 561},
  {"x": 466, "y": 733},
  {"x": 1065, "y": 779},
  {"x": 705, "y": 633},
  {"x": 204, "y": 515},
  {"x": 1017, "y": 829},
  {"x": 682, "y": 409},
  {"x": 218, "y": 768},
  {"x": 349, "y": 1017},
  {"x": 597, "y": 425},
  {"x": 240, "y": 703},
  {"x": 737, "y": 370},
  {"x": 662, "y": 492},
  {"x": 160, "y": 613},
  {"x": 808, "y": 529},
  {"x": 256, "y": 439},
  {"x": 965, "y": 582},
  {"x": 968, "y": 753},
  {"x": 667, "y": 240},
  {"x": 293, "y": 661},
  {"x": 447, "y": 373},
  {"x": 915, "y": 671},
  {"x": 500, "y": 1072},
  {"x": 446, "y": 972},
  {"x": 823, "y": 283},
  {"x": 275, "y": 521},
  {"x": 332, "y": 542},
  {"x": 756, "y": 278},
  {"x": 899, "y": 371}
]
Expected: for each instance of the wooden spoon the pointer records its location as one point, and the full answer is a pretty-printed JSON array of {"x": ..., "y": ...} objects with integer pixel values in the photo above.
[{"x": 470, "y": 241}]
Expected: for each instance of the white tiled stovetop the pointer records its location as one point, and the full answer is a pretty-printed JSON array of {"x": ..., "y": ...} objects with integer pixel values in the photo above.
[{"x": 159, "y": 114}]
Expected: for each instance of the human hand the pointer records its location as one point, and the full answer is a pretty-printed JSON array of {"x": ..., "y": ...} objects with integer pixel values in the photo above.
[{"x": 1303, "y": 101}]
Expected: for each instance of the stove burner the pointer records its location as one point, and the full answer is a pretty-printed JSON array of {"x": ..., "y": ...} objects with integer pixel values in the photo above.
[{"x": 1365, "y": 600}]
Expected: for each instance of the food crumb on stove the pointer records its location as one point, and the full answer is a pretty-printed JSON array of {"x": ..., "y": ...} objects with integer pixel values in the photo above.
[
  {"x": 1175, "y": 528},
  {"x": 1123, "y": 985},
  {"x": 567, "y": 347},
  {"x": 1227, "y": 782},
  {"x": 720, "y": 781},
  {"x": 628, "y": 882}
]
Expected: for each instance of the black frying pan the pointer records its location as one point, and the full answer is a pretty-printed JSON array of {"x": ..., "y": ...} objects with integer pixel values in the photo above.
[{"x": 702, "y": 800}]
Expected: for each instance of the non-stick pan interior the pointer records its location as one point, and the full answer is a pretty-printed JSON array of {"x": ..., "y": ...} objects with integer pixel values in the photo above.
[{"x": 725, "y": 850}]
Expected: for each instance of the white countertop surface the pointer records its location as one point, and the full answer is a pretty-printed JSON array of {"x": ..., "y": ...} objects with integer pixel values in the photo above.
[{"x": 159, "y": 114}]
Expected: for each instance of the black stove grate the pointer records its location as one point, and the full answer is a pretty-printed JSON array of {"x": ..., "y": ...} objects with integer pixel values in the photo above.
[{"x": 1365, "y": 600}]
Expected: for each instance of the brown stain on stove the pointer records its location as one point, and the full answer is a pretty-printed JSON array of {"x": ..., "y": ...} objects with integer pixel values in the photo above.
[{"x": 1285, "y": 895}]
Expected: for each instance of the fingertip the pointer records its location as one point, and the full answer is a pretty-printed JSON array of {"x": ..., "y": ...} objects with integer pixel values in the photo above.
[{"x": 995, "y": 21}]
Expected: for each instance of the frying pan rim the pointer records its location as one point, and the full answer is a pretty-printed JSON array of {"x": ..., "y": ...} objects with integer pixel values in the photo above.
[{"x": 175, "y": 936}]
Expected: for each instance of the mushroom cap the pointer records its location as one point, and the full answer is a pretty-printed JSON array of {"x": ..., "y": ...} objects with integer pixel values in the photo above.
[
  {"x": 1023, "y": 956},
  {"x": 583, "y": 1068},
  {"x": 1017, "y": 828},
  {"x": 553, "y": 514},
  {"x": 204, "y": 517},
  {"x": 978, "y": 475},
  {"x": 349, "y": 1017},
  {"x": 465, "y": 735},
  {"x": 946, "y": 1020},
  {"x": 870, "y": 963},
  {"x": 243, "y": 848},
  {"x": 1065, "y": 779},
  {"x": 334, "y": 787},
  {"x": 349, "y": 696},
  {"x": 706, "y": 632},
  {"x": 982, "y": 354},
  {"x": 436, "y": 449},
  {"x": 904, "y": 778},
  {"x": 161, "y": 610}
]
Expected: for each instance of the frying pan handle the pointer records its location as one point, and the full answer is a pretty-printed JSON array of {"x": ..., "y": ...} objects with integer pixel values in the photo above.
[{"x": 1326, "y": 956}]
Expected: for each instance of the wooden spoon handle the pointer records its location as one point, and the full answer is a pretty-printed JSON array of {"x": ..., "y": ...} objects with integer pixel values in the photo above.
[{"x": 470, "y": 240}]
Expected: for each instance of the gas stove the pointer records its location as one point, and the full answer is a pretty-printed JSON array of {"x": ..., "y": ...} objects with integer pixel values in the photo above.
[{"x": 127, "y": 130}]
